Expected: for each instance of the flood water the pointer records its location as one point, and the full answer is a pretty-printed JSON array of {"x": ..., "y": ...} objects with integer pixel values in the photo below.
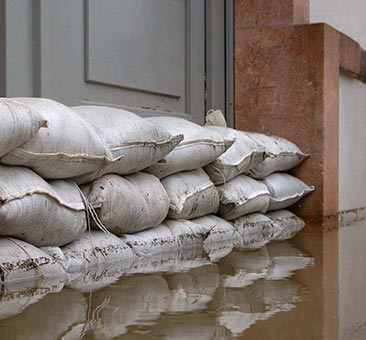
[{"x": 311, "y": 287}]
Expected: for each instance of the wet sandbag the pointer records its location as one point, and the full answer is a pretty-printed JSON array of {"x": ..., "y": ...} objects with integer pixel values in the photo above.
[
  {"x": 284, "y": 155},
  {"x": 94, "y": 248},
  {"x": 134, "y": 300},
  {"x": 290, "y": 223},
  {"x": 21, "y": 261},
  {"x": 39, "y": 212},
  {"x": 19, "y": 123},
  {"x": 256, "y": 224},
  {"x": 56, "y": 316},
  {"x": 128, "y": 204},
  {"x": 192, "y": 194},
  {"x": 285, "y": 190},
  {"x": 244, "y": 154},
  {"x": 200, "y": 147},
  {"x": 68, "y": 148},
  {"x": 241, "y": 196},
  {"x": 138, "y": 141}
]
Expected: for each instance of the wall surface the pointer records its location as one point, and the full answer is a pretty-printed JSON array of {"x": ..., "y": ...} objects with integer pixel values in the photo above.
[
  {"x": 347, "y": 16},
  {"x": 352, "y": 144}
]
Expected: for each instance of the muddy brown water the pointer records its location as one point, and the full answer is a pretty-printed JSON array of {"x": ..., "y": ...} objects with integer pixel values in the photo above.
[{"x": 311, "y": 287}]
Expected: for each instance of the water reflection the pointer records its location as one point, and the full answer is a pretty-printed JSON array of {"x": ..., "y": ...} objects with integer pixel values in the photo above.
[{"x": 180, "y": 295}]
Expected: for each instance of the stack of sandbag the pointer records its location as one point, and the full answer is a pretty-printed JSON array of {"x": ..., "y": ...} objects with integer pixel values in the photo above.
[
  {"x": 251, "y": 180},
  {"x": 193, "y": 197}
]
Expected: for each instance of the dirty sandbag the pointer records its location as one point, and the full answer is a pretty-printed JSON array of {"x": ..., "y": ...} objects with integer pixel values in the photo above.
[
  {"x": 244, "y": 154},
  {"x": 192, "y": 194},
  {"x": 68, "y": 148},
  {"x": 39, "y": 212},
  {"x": 93, "y": 248},
  {"x": 128, "y": 204},
  {"x": 57, "y": 316},
  {"x": 144, "y": 298},
  {"x": 21, "y": 261},
  {"x": 284, "y": 155},
  {"x": 138, "y": 141},
  {"x": 241, "y": 196},
  {"x": 17, "y": 296},
  {"x": 200, "y": 147},
  {"x": 285, "y": 190},
  {"x": 19, "y": 123},
  {"x": 290, "y": 223}
]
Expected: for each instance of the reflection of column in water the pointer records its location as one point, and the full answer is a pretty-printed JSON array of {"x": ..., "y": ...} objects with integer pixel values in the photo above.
[
  {"x": 285, "y": 260},
  {"x": 240, "y": 269},
  {"x": 194, "y": 289},
  {"x": 239, "y": 309},
  {"x": 133, "y": 300},
  {"x": 63, "y": 314},
  {"x": 16, "y": 297}
]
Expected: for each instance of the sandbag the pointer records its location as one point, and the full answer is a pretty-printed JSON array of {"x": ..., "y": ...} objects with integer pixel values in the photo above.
[
  {"x": 284, "y": 155},
  {"x": 68, "y": 148},
  {"x": 41, "y": 213},
  {"x": 20, "y": 261},
  {"x": 285, "y": 190},
  {"x": 200, "y": 147},
  {"x": 192, "y": 194},
  {"x": 290, "y": 223},
  {"x": 179, "y": 234},
  {"x": 93, "y": 248},
  {"x": 135, "y": 141},
  {"x": 128, "y": 204},
  {"x": 256, "y": 224},
  {"x": 244, "y": 154},
  {"x": 19, "y": 123},
  {"x": 241, "y": 196}
]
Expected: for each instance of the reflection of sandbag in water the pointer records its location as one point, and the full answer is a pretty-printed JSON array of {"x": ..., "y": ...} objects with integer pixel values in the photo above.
[
  {"x": 20, "y": 261},
  {"x": 241, "y": 308},
  {"x": 15, "y": 297},
  {"x": 255, "y": 231},
  {"x": 133, "y": 300},
  {"x": 173, "y": 262},
  {"x": 179, "y": 234},
  {"x": 285, "y": 260},
  {"x": 290, "y": 224},
  {"x": 91, "y": 249},
  {"x": 192, "y": 290},
  {"x": 241, "y": 269},
  {"x": 56, "y": 316}
]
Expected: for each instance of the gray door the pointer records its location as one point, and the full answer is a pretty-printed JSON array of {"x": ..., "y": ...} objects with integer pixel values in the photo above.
[{"x": 145, "y": 55}]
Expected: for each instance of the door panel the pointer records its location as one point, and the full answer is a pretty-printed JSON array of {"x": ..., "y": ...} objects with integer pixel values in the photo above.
[{"x": 147, "y": 55}]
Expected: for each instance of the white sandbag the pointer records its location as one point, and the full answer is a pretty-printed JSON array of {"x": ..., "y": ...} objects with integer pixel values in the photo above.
[
  {"x": 244, "y": 154},
  {"x": 192, "y": 194},
  {"x": 241, "y": 196},
  {"x": 19, "y": 123},
  {"x": 284, "y": 155},
  {"x": 20, "y": 261},
  {"x": 255, "y": 230},
  {"x": 68, "y": 148},
  {"x": 138, "y": 141},
  {"x": 179, "y": 234},
  {"x": 285, "y": 190},
  {"x": 93, "y": 248},
  {"x": 128, "y": 204},
  {"x": 200, "y": 147},
  {"x": 290, "y": 223},
  {"x": 41, "y": 213}
]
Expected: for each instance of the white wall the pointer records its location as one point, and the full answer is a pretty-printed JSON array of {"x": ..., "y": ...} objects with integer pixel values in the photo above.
[
  {"x": 347, "y": 16},
  {"x": 352, "y": 144}
]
